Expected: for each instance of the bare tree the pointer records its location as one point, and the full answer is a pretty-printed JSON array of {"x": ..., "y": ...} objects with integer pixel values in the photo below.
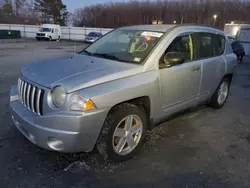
[{"x": 144, "y": 12}]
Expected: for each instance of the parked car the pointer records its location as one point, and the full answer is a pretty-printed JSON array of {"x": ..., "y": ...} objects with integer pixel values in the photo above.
[
  {"x": 128, "y": 81},
  {"x": 49, "y": 32},
  {"x": 92, "y": 37}
]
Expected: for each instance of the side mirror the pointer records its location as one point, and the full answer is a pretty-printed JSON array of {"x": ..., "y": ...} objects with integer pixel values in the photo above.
[
  {"x": 173, "y": 58},
  {"x": 52, "y": 31}
]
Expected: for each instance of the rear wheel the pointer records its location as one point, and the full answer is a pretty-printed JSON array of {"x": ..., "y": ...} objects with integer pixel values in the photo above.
[
  {"x": 123, "y": 132},
  {"x": 221, "y": 94}
]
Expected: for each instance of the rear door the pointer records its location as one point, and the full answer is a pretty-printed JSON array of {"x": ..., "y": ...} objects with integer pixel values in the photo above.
[
  {"x": 180, "y": 83},
  {"x": 210, "y": 50}
]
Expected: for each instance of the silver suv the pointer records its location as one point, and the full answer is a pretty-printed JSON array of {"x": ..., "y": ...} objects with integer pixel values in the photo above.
[{"x": 131, "y": 79}]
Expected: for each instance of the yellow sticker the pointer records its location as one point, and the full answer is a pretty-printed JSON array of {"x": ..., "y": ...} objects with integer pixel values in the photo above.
[{"x": 137, "y": 59}]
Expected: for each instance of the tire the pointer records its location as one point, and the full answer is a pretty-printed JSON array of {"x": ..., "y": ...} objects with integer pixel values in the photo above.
[
  {"x": 58, "y": 38},
  {"x": 50, "y": 39},
  {"x": 217, "y": 102},
  {"x": 107, "y": 143},
  {"x": 38, "y": 39}
]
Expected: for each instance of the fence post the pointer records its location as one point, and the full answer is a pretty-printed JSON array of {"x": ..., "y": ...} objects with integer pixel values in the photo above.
[
  {"x": 24, "y": 31},
  {"x": 69, "y": 34}
]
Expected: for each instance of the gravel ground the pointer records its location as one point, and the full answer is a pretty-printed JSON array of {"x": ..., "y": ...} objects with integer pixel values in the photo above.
[{"x": 199, "y": 149}]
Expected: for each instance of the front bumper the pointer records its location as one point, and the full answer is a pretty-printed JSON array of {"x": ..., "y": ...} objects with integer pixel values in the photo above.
[
  {"x": 42, "y": 37},
  {"x": 68, "y": 132}
]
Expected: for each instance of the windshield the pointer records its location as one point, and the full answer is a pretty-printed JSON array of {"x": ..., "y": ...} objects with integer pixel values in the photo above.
[
  {"x": 125, "y": 45},
  {"x": 45, "y": 29}
]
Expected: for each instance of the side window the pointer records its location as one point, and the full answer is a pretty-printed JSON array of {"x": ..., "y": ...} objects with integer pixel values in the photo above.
[
  {"x": 183, "y": 44},
  {"x": 206, "y": 47},
  {"x": 210, "y": 45},
  {"x": 219, "y": 44}
]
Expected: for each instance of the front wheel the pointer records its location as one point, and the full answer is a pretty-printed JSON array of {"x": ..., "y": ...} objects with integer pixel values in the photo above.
[
  {"x": 221, "y": 94},
  {"x": 123, "y": 132}
]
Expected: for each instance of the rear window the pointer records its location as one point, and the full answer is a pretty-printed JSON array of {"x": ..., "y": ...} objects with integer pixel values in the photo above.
[{"x": 92, "y": 34}]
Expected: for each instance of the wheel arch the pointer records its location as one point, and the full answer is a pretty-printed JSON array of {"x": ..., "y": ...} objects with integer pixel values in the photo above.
[
  {"x": 229, "y": 76},
  {"x": 142, "y": 102}
]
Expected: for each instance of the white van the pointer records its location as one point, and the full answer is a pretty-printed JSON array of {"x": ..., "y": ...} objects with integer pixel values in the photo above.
[
  {"x": 241, "y": 32},
  {"x": 49, "y": 32}
]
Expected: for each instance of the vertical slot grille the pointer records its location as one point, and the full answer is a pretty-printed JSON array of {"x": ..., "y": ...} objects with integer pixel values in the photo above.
[{"x": 31, "y": 96}]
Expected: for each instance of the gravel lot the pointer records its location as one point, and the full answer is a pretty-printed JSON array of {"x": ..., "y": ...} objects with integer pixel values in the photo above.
[{"x": 199, "y": 149}]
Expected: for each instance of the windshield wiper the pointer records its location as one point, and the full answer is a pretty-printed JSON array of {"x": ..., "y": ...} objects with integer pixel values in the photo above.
[
  {"x": 87, "y": 52},
  {"x": 110, "y": 56}
]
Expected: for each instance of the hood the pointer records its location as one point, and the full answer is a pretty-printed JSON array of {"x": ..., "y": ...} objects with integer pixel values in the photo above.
[{"x": 77, "y": 72}]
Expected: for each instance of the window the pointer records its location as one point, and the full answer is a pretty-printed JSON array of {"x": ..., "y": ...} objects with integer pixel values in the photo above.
[
  {"x": 206, "y": 48},
  {"x": 219, "y": 42},
  {"x": 94, "y": 34},
  {"x": 183, "y": 44},
  {"x": 45, "y": 29},
  {"x": 131, "y": 46},
  {"x": 210, "y": 45},
  {"x": 244, "y": 35}
]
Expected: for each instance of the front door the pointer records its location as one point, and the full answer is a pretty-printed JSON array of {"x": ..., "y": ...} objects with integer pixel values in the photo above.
[{"x": 180, "y": 83}]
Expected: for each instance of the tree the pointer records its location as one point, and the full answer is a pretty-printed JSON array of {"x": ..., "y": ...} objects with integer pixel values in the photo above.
[
  {"x": 59, "y": 12},
  {"x": 7, "y": 7},
  {"x": 51, "y": 11},
  {"x": 144, "y": 12},
  {"x": 18, "y": 5}
]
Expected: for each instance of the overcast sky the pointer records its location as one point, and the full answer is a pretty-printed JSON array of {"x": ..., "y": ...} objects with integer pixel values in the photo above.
[{"x": 74, "y": 4}]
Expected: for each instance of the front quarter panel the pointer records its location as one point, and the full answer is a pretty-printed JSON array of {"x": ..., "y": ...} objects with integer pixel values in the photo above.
[{"x": 111, "y": 93}]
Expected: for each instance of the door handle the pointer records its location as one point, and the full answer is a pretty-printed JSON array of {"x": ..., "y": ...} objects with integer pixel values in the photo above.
[{"x": 196, "y": 68}]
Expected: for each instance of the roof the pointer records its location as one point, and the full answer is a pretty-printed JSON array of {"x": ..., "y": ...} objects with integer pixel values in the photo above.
[{"x": 165, "y": 27}]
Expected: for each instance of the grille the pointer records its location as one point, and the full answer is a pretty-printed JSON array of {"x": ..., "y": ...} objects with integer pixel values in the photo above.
[
  {"x": 31, "y": 96},
  {"x": 40, "y": 34}
]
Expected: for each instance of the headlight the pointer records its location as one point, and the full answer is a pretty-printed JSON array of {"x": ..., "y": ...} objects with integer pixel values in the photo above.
[
  {"x": 80, "y": 103},
  {"x": 58, "y": 96}
]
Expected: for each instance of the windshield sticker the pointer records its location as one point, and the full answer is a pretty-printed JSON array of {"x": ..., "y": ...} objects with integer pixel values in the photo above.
[
  {"x": 137, "y": 59},
  {"x": 151, "y": 34}
]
